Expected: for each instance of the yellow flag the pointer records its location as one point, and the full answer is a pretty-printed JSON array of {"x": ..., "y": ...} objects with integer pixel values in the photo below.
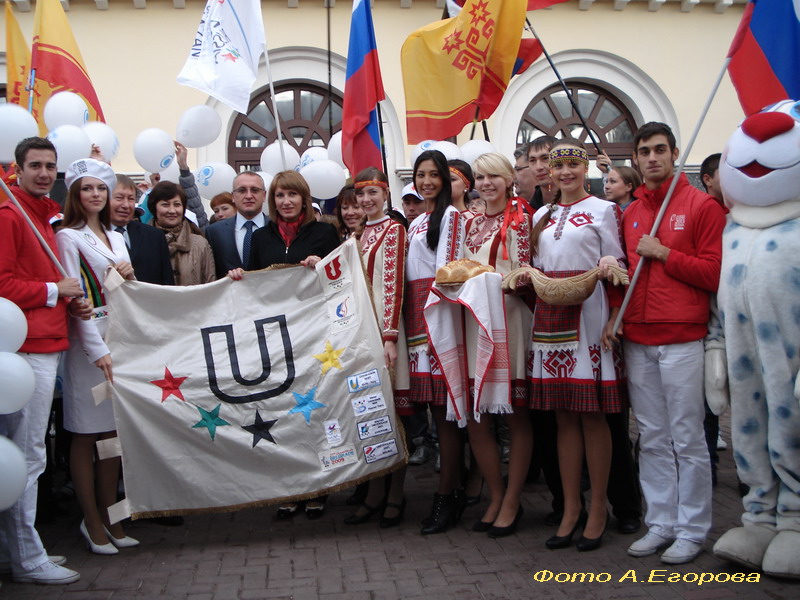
[
  {"x": 57, "y": 61},
  {"x": 18, "y": 60},
  {"x": 454, "y": 67}
]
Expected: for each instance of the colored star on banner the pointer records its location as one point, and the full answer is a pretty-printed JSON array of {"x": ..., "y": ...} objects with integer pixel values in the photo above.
[
  {"x": 260, "y": 429},
  {"x": 329, "y": 358},
  {"x": 305, "y": 404},
  {"x": 210, "y": 420},
  {"x": 170, "y": 385}
]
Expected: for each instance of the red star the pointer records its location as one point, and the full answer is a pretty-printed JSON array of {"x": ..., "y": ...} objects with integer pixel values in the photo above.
[
  {"x": 479, "y": 12},
  {"x": 230, "y": 57},
  {"x": 453, "y": 41},
  {"x": 170, "y": 385}
]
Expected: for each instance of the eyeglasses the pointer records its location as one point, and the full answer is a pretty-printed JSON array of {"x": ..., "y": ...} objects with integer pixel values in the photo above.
[
  {"x": 243, "y": 190},
  {"x": 518, "y": 169}
]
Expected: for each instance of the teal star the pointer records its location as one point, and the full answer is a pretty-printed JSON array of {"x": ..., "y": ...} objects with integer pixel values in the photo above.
[
  {"x": 305, "y": 404},
  {"x": 210, "y": 420}
]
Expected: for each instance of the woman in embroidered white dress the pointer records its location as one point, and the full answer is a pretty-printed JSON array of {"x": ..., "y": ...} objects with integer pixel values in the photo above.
[
  {"x": 89, "y": 249},
  {"x": 435, "y": 238},
  {"x": 500, "y": 238},
  {"x": 384, "y": 245},
  {"x": 571, "y": 373}
]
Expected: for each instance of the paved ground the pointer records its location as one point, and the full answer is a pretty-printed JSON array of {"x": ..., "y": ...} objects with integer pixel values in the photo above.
[{"x": 250, "y": 555}]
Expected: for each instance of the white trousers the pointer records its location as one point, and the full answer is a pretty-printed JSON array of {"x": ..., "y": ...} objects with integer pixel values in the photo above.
[
  {"x": 20, "y": 544},
  {"x": 665, "y": 384}
]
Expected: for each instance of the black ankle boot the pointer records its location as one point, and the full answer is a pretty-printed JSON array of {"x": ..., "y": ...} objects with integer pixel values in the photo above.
[{"x": 443, "y": 514}]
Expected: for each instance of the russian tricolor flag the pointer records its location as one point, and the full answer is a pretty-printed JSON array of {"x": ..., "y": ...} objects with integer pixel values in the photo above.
[
  {"x": 363, "y": 89},
  {"x": 765, "y": 54}
]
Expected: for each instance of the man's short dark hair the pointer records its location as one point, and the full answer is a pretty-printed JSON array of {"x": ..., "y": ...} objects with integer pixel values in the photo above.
[
  {"x": 543, "y": 142},
  {"x": 31, "y": 143},
  {"x": 648, "y": 130},
  {"x": 709, "y": 166},
  {"x": 522, "y": 151}
]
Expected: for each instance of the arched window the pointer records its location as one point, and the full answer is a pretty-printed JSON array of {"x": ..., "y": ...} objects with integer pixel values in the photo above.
[
  {"x": 550, "y": 113},
  {"x": 308, "y": 116}
]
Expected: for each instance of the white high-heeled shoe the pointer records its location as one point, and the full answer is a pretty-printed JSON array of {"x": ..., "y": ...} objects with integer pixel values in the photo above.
[
  {"x": 107, "y": 549},
  {"x": 126, "y": 542}
]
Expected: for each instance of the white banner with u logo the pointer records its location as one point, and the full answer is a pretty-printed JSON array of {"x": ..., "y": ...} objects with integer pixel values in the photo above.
[{"x": 235, "y": 394}]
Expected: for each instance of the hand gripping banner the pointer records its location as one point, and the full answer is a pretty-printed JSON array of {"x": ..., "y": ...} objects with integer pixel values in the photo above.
[{"x": 237, "y": 394}]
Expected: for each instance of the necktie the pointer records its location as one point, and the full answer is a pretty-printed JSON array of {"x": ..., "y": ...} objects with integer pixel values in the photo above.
[
  {"x": 121, "y": 231},
  {"x": 248, "y": 238}
]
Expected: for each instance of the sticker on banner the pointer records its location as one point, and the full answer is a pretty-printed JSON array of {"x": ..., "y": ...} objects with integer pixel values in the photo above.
[
  {"x": 338, "y": 457},
  {"x": 368, "y": 404},
  {"x": 332, "y": 275},
  {"x": 374, "y": 427},
  {"x": 380, "y": 451},
  {"x": 342, "y": 312},
  {"x": 333, "y": 432},
  {"x": 363, "y": 381}
]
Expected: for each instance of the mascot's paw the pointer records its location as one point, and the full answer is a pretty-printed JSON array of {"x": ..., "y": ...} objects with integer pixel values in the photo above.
[
  {"x": 745, "y": 545},
  {"x": 782, "y": 558}
]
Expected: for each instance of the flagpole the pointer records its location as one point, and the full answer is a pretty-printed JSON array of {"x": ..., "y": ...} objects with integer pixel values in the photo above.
[
  {"x": 29, "y": 89},
  {"x": 275, "y": 108},
  {"x": 673, "y": 183},
  {"x": 36, "y": 232},
  {"x": 564, "y": 86},
  {"x": 383, "y": 147}
]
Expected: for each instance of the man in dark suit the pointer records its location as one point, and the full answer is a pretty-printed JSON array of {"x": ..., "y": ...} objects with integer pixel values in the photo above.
[
  {"x": 230, "y": 238},
  {"x": 147, "y": 245}
]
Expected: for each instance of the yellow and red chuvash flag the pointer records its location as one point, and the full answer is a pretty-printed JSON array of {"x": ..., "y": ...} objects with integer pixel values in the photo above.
[
  {"x": 57, "y": 62},
  {"x": 18, "y": 61},
  {"x": 457, "y": 70}
]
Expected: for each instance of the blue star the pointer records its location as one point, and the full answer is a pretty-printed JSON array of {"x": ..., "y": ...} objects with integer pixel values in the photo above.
[
  {"x": 210, "y": 420},
  {"x": 305, "y": 404}
]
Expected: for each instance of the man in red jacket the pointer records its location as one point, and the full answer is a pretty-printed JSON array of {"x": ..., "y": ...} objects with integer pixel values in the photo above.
[
  {"x": 29, "y": 279},
  {"x": 664, "y": 326}
]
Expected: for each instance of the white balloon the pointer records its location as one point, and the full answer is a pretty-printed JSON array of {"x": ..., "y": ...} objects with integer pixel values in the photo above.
[
  {"x": 325, "y": 178},
  {"x": 16, "y": 123},
  {"x": 154, "y": 150},
  {"x": 449, "y": 149},
  {"x": 420, "y": 148},
  {"x": 103, "y": 136},
  {"x": 17, "y": 382},
  {"x": 271, "y": 158},
  {"x": 472, "y": 149},
  {"x": 214, "y": 178},
  {"x": 65, "y": 108},
  {"x": 13, "y": 473},
  {"x": 71, "y": 143},
  {"x": 171, "y": 173},
  {"x": 266, "y": 177},
  {"x": 312, "y": 154},
  {"x": 335, "y": 149},
  {"x": 199, "y": 126},
  {"x": 13, "y": 326}
]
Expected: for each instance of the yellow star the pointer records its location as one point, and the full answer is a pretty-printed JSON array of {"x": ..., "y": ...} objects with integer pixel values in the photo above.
[{"x": 329, "y": 358}]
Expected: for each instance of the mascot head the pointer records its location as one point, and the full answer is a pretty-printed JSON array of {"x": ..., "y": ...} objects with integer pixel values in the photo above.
[{"x": 760, "y": 166}]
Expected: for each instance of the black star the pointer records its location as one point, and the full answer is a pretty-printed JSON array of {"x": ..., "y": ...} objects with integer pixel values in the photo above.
[{"x": 260, "y": 430}]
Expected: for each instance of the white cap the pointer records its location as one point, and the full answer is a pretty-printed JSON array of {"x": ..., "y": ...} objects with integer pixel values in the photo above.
[
  {"x": 89, "y": 167},
  {"x": 410, "y": 190}
]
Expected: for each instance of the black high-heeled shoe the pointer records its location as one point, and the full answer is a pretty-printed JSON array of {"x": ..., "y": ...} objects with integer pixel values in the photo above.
[
  {"x": 497, "y": 532},
  {"x": 585, "y": 544},
  {"x": 357, "y": 519},
  {"x": 558, "y": 542},
  {"x": 443, "y": 514},
  {"x": 387, "y": 522}
]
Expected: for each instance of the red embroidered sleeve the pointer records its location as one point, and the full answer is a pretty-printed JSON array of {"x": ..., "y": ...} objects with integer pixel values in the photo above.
[{"x": 395, "y": 245}]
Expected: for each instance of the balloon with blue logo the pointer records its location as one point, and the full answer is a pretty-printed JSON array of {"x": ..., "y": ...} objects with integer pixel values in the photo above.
[
  {"x": 13, "y": 326},
  {"x": 312, "y": 154},
  {"x": 420, "y": 148},
  {"x": 17, "y": 382},
  {"x": 71, "y": 144},
  {"x": 16, "y": 123},
  {"x": 472, "y": 149},
  {"x": 324, "y": 177},
  {"x": 154, "y": 150},
  {"x": 104, "y": 137},
  {"x": 214, "y": 178},
  {"x": 335, "y": 149},
  {"x": 13, "y": 473},
  {"x": 65, "y": 108},
  {"x": 272, "y": 162},
  {"x": 449, "y": 149}
]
